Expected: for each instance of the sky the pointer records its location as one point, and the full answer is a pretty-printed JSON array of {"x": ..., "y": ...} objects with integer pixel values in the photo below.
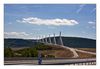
[{"x": 34, "y": 21}]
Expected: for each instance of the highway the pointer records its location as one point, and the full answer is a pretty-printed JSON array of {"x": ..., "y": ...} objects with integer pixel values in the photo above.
[{"x": 92, "y": 61}]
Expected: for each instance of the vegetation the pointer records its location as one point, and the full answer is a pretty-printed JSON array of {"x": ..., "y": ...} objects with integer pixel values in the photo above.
[
  {"x": 46, "y": 51},
  {"x": 12, "y": 43},
  {"x": 29, "y": 48},
  {"x": 41, "y": 46},
  {"x": 8, "y": 52},
  {"x": 85, "y": 55},
  {"x": 26, "y": 52},
  {"x": 75, "y": 42}
]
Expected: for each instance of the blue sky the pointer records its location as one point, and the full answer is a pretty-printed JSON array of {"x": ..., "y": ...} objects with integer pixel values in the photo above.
[{"x": 33, "y": 20}]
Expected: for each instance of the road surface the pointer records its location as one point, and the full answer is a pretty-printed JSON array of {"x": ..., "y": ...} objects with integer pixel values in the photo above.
[{"x": 49, "y": 61}]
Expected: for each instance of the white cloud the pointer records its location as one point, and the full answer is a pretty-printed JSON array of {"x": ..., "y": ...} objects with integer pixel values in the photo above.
[
  {"x": 80, "y": 8},
  {"x": 21, "y": 35},
  {"x": 55, "y": 22},
  {"x": 91, "y": 22},
  {"x": 15, "y": 34}
]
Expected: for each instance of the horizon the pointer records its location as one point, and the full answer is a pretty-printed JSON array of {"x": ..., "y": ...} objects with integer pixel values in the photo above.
[{"x": 51, "y": 37}]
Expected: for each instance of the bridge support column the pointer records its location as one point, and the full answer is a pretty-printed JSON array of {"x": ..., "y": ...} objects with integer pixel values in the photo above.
[
  {"x": 49, "y": 39},
  {"x": 46, "y": 40},
  {"x": 61, "y": 39},
  {"x": 42, "y": 39},
  {"x": 54, "y": 39}
]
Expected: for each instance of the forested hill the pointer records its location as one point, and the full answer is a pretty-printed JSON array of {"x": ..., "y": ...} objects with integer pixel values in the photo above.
[
  {"x": 12, "y": 42},
  {"x": 75, "y": 42}
]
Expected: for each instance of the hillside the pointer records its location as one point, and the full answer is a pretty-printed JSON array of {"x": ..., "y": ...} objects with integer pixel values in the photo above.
[
  {"x": 47, "y": 51},
  {"x": 18, "y": 43},
  {"x": 74, "y": 42}
]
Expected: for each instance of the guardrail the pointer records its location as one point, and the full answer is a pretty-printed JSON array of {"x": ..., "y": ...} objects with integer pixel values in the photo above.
[{"x": 49, "y": 61}]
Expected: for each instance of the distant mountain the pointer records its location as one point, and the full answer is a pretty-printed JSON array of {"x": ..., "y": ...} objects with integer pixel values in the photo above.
[
  {"x": 75, "y": 42},
  {"x": 18, "y": 42}
]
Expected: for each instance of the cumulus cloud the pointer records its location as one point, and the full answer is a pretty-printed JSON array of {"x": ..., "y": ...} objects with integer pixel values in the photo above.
[
  {"x": 22, "y": 35},
  {"x": 15, "y": 34},
  {"x": 55, "y": 22}
]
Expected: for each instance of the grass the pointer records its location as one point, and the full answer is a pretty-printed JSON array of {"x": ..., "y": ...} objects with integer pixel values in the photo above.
[
  {"x": 85, "y": 55},
  {"x": 58, "y": 53}
]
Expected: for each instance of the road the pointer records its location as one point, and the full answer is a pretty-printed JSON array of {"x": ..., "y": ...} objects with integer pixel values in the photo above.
[
  {"x": 85, "y": 52},
  {"x": 54, "y": 61},
  {"x": 74, "y": 50},
  {"x": 48, "y": 61},
  {"x": 75, "y": 55}
]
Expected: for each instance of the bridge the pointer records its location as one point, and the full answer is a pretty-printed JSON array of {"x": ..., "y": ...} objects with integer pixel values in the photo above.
[
  {"x": 47, "y": 41},
  {"x": 74, "y": 61},
  {"x": 54, "y": 61}
]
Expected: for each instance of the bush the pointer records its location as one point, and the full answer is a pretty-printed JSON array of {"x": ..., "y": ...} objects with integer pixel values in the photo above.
[
  {"x": 41, "y": 46},
  {"x": 8, "y": 52},
  {"x": 28, "y": 52},
  {"x": 51, "y": 56}
]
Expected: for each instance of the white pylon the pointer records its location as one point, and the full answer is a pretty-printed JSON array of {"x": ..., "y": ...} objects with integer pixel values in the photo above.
[
  {"x": 46, "y": 40},
  {"x": 39, "y": 39},
  {"x": 60, "y": 39},
  {"x": 42, "y": 39},
  {"x": 49, "y": 39},
  {"x": 54, "y": 39}
]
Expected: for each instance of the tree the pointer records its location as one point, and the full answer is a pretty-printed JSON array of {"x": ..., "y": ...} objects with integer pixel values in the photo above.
[{"x": 8, "y": 52}]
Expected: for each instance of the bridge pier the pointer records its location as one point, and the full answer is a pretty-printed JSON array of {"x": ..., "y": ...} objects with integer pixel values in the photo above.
[
  {"x": 54, "y": 39},
  {"x": 49, "y": 39},
  {"x": 61, "y": 39}
]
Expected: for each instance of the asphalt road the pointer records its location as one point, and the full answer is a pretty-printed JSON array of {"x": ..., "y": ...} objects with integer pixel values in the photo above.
[{"x": 49, "y": 61}]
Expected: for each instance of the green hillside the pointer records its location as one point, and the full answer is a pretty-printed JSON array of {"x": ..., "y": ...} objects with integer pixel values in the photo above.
[{"x": 75, "y": 42}]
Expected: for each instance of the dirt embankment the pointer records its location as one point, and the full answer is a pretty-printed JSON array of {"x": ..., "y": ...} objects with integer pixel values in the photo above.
[{"x": 58, "y": 52}]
